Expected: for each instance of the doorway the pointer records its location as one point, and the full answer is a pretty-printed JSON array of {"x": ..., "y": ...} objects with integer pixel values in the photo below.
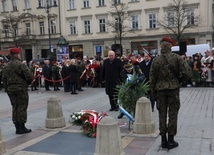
[{"x": 28, "y": 55}]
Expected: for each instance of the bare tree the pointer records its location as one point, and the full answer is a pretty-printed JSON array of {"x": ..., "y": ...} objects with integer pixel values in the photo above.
[
  {"x": 119, "y": 16},
  {"x": 10, "y": 25},
  {"x": 178, "y": 18}
]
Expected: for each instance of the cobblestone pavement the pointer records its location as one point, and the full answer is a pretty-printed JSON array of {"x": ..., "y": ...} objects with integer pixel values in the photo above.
[{"x": 195, "y": 123}]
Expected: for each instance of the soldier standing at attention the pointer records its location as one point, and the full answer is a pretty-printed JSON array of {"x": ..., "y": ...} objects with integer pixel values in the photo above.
[
  {"x": 167, "y": 72},
  {"x": 17, "y": 78}
]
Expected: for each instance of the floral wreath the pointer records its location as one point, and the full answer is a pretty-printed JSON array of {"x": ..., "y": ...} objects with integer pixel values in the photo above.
[{"x": 88, "y": 119}]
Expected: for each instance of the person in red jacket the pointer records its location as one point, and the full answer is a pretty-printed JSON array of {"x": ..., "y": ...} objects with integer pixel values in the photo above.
[{"x": 93, "y": 69}]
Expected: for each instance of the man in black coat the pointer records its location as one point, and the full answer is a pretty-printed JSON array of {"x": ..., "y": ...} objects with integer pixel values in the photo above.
[
  {"x": 145, "y": 68},
  {"x": 47, "y": 73},
  {"x": 111, "y": 70}
]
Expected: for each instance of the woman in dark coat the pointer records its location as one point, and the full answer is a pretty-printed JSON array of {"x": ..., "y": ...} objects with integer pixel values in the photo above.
[
  {"x": 111, "y": 70},
  {"x": 65, "y": 75},
  {"x": 196, "y": 70}
]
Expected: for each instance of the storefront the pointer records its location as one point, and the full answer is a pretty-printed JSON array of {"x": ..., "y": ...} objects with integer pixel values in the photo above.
[
  {"x": 139, "y": 47},
  {"x": 75, "y": 51}
]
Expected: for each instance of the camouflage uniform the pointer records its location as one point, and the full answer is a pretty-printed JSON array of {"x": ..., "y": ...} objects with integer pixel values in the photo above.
[
  {"x": 56, "y": 76},
  {"x": 16, "y": 78},
  {"x": 165, "y": 86}
]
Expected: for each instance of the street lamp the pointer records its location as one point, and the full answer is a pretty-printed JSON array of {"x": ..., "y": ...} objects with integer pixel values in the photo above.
[{"x": 48, "y": 7}]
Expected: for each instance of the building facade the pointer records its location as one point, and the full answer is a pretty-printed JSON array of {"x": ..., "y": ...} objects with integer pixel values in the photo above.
[{"x": 91, "y": 26}]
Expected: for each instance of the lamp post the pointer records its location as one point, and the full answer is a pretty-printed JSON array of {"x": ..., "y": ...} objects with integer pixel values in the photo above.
[
  {"x": 49, "y": 31},
  {"x": 48, "y": 7}
]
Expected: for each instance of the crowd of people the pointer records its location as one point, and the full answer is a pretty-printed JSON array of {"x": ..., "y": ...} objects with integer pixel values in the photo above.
[
  {"x": 202, "y": 69},
  {"x": 87, "y": 71}
]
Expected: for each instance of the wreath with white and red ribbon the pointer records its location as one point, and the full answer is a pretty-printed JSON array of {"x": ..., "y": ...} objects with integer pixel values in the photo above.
[{"x": 90, "y": 119}]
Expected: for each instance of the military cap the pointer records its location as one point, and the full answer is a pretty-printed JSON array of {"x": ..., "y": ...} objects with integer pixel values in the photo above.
[
  {"x": 15, "y": 50},
  {"x": 128, "y": 66},
  {"x": 167, "y": 39}
]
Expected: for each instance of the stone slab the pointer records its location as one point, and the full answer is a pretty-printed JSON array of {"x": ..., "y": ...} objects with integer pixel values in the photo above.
[{"x": 65, "y": 143}]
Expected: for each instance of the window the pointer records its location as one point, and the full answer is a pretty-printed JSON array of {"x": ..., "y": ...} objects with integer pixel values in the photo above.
[
  {"x": 134, "y": 21},
  {"x": 42, "y": 27},
  {"x": 4, "y": 6},
  {"x": 53, "y": 27},
  {"x": 15, "y": 30},
  {"x": 14, "y": 5},
  {"x": 190, "y": 17},
  {"x": 170, "y": 18},
  {"x": 27, "y": 4},
  {"x": 87, "y": 26},
  {"x": 72, "y": 27},
  {"x": 101, "y": 2},
  {"x": 116, "y": 1},
  {"x": 41, "y": 3},
  {"x": 152, "y": 20},
  {"x": 118, "y": 24},
  {"x": 102, "y": 25},
  {"x": 28, "y": 29},
  {"x": 86, "y": 3},
  {"x": 6, "y": 31},
  {"x": 52, "y": 2},
  {"x": 71, "y": 4}
]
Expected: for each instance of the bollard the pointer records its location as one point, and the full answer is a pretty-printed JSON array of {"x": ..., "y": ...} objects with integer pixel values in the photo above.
[
  {"x": 55, "y": 117},
  {"x": 108, "y": 139},
  {"x": 2, "y": 146},
  {"x": 143, "y": 123}
]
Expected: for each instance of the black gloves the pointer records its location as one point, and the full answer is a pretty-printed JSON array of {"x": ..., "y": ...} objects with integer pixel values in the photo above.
[{"x": 134, "y": 84}]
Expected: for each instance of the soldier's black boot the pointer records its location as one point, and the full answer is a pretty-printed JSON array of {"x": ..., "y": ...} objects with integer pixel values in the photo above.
[
  {"x": 32, "y": 88},
  {"x": 171, "y": 143},
  {"x": 22, "y": 129},
  {"x": 163, "y": 141},
  {"x": 17, "y": 127}
]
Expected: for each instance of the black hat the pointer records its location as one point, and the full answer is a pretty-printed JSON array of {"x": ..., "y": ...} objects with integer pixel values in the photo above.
[{"x": 128, "y": 66}]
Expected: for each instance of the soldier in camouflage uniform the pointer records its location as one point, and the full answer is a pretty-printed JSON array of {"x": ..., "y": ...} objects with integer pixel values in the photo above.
[
  {"x": 167, "y": 72},
  {"x": 17, "y": 78},
  {"x": 56, "y": 76}
]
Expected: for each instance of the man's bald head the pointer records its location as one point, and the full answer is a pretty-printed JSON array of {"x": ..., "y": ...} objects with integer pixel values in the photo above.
[{"x": 111, "y": 55}]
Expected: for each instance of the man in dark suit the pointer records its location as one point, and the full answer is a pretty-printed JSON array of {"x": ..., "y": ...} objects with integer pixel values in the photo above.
[
  {"x": 145, "y": 68},
  {"x": 47, "y": 73},
  {"x": 111, "y": 70}
]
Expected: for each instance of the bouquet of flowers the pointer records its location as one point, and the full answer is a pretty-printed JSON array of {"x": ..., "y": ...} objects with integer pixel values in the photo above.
[
  {"x": 77, "y": 118},
  {"x": 88, "y": 119}
]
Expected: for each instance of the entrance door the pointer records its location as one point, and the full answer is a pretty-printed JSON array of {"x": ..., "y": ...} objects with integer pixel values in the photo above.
[
  {"x": 44, "y": 53},
  {"x": 28, "y": 55}
]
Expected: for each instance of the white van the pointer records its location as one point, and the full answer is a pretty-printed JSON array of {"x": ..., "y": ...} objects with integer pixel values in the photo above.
[{"x": 192, "y": 49}]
